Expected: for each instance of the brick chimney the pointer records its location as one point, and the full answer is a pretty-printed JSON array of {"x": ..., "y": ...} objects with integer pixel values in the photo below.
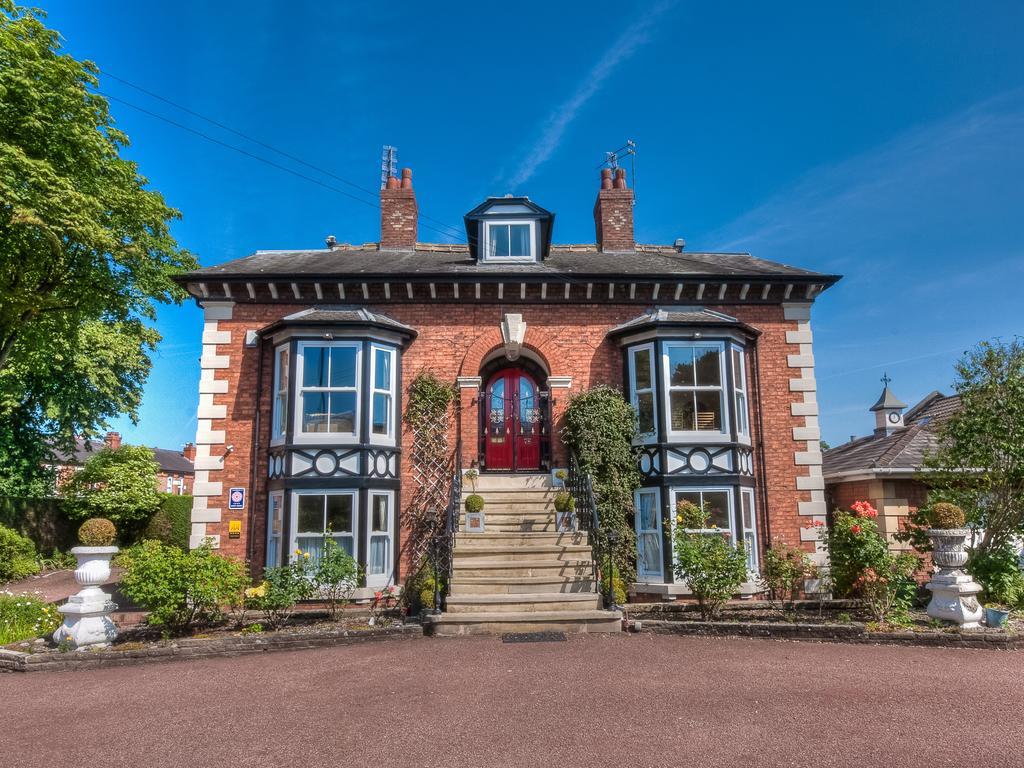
[
  {"x": 613, "y": 212},
  {"x": 398, "y": 213},
  {"x": 189, "y": 451},
  {"x": 112, "y": 440}
]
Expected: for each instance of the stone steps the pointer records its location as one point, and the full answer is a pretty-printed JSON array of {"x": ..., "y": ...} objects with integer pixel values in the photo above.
[
  {"x": 489, "y": 623},
  {"x": 524, "y": 602},
  {"x": 516, "y": 585},
  {"x": 519, "y": 538},
  {"x": 545, "y": 567},
  {"x": 467, "y": 555}
]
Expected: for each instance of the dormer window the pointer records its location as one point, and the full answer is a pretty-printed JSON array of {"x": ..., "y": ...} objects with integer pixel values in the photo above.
[
  {"x": 509, "y": 230},
  {"x": 509, "y": 240}
]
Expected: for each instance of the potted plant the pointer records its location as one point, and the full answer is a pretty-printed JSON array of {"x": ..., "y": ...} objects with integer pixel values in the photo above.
[
  {"x": 87, "y": 614},
  {"x": 471, "y": 474},
  {"x": 561, "y": 476},
  {"x": 996, "y": 615},
  {"x": 565, "y": 506},
  {"x": 954, "y": 593},
  {"x": 475, "y": 513}
]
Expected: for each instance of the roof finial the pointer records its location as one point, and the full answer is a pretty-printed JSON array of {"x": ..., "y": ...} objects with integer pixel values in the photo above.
[{"x": 885, "y": 380}]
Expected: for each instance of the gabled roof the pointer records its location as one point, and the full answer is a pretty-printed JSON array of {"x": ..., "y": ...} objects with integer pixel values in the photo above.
[
  {"x": 682, "y": 316},
  {"x": 170, "y": 460},
  {"x": 902, "y": 451}
]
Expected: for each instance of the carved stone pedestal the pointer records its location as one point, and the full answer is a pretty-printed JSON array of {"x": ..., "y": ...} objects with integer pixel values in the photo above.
[
  {"x": 954, "y": 593},
  {"x": 87, "y": 615}
]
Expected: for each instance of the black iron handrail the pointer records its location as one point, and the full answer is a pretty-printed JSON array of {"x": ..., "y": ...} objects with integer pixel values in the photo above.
[
  {"x": 444, "y": 542},
  {"x": 586, "y": 515}
]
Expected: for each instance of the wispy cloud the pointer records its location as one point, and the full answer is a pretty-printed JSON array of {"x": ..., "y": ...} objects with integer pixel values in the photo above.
[{"x": 560, "y": 118}]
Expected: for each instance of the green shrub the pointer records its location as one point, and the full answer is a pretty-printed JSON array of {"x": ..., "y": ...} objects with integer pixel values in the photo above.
[
  {"x": 17, "y": 555},
  {"x": 57, "y": 561},
  {"x": 97, "y": 532},
  {"x": 946, "y": 515},
  {"x": 707, "y": 563},
  {"x": 564, "y": 501},
  {"x": 171, "y": 524},
  {"x": 281, "y": 589},
  {"x": 889, "y": 589},
  {"x": 854, "y": 545},
  {"x": 599, "y": 429},
  {"x": 117, "y": 484},
  {"x": 26, "y": 617},
  {"x": 180, "y": 588},
  {"x": 998, "y": 572},
  {"x": 474, "y": 503},
  {"x": 418, "y": 594},
  {"x": 335, "y": 576},
  {"x": 784, "y": 570}
]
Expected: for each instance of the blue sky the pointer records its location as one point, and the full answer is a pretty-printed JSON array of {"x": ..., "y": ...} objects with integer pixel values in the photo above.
[{"x": 882, "y": 141}]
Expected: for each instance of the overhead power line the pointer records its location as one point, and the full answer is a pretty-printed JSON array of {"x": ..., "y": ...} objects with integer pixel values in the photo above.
[{"x": 448, "y": 230}]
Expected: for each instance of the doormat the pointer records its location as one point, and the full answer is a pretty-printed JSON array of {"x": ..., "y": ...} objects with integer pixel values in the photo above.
[{"x": 533, "y": 637}]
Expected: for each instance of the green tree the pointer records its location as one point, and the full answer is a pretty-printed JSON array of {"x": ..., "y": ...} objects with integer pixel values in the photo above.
[
  {"x": 980, "y": 461},
  {"x": 118, "y": 484},
  {"x": 86, "y": 251}
]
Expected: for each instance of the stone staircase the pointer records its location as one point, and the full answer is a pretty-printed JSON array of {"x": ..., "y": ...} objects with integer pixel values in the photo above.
[{"x": 520, "y": 574}]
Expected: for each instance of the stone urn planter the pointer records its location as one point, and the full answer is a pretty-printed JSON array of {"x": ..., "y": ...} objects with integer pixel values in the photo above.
[
  {"x": 87, "y": 615},
  {"x": 954, "y": 593}
]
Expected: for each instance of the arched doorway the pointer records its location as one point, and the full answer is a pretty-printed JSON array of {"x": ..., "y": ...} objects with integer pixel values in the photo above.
[{"x": 514, "y": 421}]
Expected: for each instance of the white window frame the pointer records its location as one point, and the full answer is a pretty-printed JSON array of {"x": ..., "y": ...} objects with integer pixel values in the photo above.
[
  {"x": 391, "y": 392},
  {"x": 643, "y": 438},
  {"x": 275, "y": 502},
  {"x": 730, "y": 493},
  {"x": 486, "y": 252},
  {"x": 721, "y": 436},
  {"x": 294, "y": 527},
  {"x": 282, "y": 395},
  {"x": 650, "y": 577},
  {"x": 753, "y": 559},
  {"x": 299, "y": 388},
  {"x": 380, "y": 579},
  {"x": 740, "y": 390}
]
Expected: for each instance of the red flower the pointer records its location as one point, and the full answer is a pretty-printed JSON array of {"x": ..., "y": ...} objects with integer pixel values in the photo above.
[
  {"x": 863, "y": 509},
  {"x": 854, "y": 529},
  {"x": 819, "y": 523}
]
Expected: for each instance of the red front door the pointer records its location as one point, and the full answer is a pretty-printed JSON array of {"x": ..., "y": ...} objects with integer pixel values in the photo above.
[{"x": 514, "y": 422}]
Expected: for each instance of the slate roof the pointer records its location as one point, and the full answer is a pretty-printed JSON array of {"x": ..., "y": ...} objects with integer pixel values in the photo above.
[
  {"x": 170, "y": 461},
  {"x": 455, "y": 260},
  {"x": 904, "y": 449},
  {"x": 887, "y": 400},
  {"x": 342, "y": 315},
  {"x": 681, "y": 316}
]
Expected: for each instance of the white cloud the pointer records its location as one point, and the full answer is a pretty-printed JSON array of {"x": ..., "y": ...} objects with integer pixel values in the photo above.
[{"x": 556, "y": 124}]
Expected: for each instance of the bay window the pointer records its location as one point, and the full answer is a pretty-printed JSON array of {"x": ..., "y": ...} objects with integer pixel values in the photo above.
[
  {"x": 694, "y": 383},
  {"x": 649, "y": 567},
  {"x": 382, "y": 393},
  {"x": 275, "y": 526},
  {"x": 717, "y": 502},
  {"x": 318, "y": 515},
  {"x": 381, "y": 539},
  {"x": 749, "y": 529},
  {"x": 279, "y": 416},
  {"x": 328, "y": 394},
  {"x": 641, "y": 379},
  {"x": 739, "y": 380}
]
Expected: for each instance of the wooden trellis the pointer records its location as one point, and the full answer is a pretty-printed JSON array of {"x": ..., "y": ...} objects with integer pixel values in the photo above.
[{"x": 431, "y": 467}]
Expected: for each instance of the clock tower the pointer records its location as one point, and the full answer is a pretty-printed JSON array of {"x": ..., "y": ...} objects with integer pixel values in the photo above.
[{"x": 888, "y": 410}]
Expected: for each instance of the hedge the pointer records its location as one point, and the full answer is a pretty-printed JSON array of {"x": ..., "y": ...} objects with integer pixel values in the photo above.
[
  {"x": 42, "y": 520},
  {"x": 171, "y": 524}
]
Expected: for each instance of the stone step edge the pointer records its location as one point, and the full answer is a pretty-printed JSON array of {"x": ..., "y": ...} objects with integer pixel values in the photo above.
[
  {"x": 484, "y": 617},
  {"x": 523, "y": 597}
]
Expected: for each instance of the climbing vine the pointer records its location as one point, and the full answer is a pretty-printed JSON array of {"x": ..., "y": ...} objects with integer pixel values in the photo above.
[
  {"x": 599, "y": 429},
  {"x": 428, "y": 415}
]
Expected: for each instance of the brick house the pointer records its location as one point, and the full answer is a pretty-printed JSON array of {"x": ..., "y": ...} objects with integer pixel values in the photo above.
[
  {"x": 308, "y": 355},
  {"x": 174, "y": 475},
  {"x": 886, "y": 466}
]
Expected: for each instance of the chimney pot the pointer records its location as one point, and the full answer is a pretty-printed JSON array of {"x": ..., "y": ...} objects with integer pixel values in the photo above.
[
  {"x": 189, "y": 451},
  {"x": 407, "y": 178},
  {"x": 620, "y": 178},
  {"x": 393, "y": 183},
  {"x": 606, "y": 178}
]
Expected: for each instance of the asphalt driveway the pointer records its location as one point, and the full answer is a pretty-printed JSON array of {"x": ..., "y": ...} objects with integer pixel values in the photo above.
[{"x": 475, "y": 702}]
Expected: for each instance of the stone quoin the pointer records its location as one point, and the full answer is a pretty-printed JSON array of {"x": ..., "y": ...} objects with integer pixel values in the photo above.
[{"x": 308, "y": 355}]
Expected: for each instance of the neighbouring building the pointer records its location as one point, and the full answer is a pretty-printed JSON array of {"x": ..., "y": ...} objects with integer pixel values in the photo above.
[
  {"x": 308, "y": 356},
  {"x": 175, "y": 472},
  {"x": 886, "y": 467}
]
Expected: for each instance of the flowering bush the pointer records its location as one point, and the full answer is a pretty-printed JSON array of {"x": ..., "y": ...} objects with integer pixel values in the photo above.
[
  {"x": 706, "y": 561},
  {"x": 385, "y": 601},
  {"x": 181, "y": 588},
  {"x": 25, "y": 617},
  {"x": 862, "y": 566},
  {"x": 784, "y": 571},
  {"x": 281, "y": 589}
]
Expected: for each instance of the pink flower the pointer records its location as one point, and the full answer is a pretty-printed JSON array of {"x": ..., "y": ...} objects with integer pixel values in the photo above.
[
  {"x": 863, "y": 509},
  {"x": 854, "y": 529}
]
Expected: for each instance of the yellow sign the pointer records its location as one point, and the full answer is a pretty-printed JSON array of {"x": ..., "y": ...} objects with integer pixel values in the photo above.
[{"x": 234, "y": 529}]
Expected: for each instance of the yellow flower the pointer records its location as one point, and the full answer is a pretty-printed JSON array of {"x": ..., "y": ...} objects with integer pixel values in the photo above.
[
  {"x": 298, "y": 551},
  {"x": 679, "y": 519},
  {"x": 306, "y": 555}
]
